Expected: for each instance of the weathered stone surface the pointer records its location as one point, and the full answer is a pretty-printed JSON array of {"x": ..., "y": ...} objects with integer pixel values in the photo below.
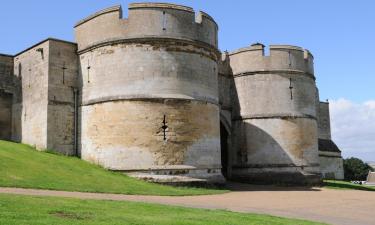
[
  {"x": 331, "y": 165},
  {"x": 324, "y": 121},
  {"x": 331, "y": 162},
  {"x": 7, "y": 90},
  {"x": 128, "y": 135},
  {"x": 43, "y": 114},
  {"x": 31, "y": 67},
  {"x": 274, "y": 128},
  {"x": 151, "y": 94},
  {"x": 371, "y": 178},
  {"x": 62, "y": 81},
  {"x": 144, "y": 20},
  {"x": 135, "y": 75},
  {"x": 5, "y": 115}
]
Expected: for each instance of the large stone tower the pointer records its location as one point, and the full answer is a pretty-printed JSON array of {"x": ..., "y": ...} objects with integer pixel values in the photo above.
[
  {"x": 149, "y": 90},
  {"x": 274, "y": 115}
]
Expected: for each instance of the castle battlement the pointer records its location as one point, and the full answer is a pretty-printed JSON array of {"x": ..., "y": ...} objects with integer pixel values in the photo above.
[
  {"x": 160, "y": 5},
  {"x": 281, "y": 58},
  {"x": 146, "y": 20}
]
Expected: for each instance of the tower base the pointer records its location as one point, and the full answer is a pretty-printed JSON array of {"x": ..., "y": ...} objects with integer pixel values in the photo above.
[
  {"x": 278, "y": 178},
  {"x": 180, "y": 177}
]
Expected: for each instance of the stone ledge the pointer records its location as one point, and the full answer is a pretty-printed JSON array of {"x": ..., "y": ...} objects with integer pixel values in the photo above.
[
  {"x": 291, "y": 165},
  {"x": 275, "y": 116},
  {"x": 272, "y": 72},
  {"x": 99, "y": 13},
  {"x": 153, "y": 39},
  {"x": 160, "y": 5},
  {"x": 152, "y": 98}
]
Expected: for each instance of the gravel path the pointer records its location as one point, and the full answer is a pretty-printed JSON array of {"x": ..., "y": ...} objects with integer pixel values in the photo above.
[{"x": 344, "y": 207}]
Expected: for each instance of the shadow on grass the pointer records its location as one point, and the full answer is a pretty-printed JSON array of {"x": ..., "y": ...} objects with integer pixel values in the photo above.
[{"x": 347, "y": 185}]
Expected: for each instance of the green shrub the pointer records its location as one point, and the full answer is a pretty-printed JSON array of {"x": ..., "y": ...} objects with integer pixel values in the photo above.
[{"x": 356, "y": 169}]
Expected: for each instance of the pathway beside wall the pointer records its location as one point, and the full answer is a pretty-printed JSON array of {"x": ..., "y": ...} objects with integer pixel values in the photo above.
[{"x": 318, "y": 204}]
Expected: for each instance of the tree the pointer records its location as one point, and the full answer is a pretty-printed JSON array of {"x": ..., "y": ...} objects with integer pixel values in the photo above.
[{"x": 356, "y": 169}]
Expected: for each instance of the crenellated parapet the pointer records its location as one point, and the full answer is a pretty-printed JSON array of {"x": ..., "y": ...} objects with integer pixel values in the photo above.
[
  {"x": 146, "y": 21},
  {"x": 285, "y": 76},
  {"x": 281, "y": 58}
]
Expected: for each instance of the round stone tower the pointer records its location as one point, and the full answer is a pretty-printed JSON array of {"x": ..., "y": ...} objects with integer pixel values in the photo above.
[
  {"x": 275, "y": 126},
  {"x": 149, "y": 98}
]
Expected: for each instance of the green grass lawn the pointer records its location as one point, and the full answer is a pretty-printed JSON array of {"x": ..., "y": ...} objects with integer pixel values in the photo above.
[
  {"x": 16, "y": 209},
  {"x": 23, "y": 166},
  {"x": 335, "y": 184}
]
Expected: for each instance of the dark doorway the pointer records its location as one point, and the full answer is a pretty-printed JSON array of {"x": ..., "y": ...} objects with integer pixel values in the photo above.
[{"x": 224, "y": 149}]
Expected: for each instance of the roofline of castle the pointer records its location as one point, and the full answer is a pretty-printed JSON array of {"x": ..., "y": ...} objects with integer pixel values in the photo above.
[
  {"x": 6, "y": 55},
  {"x": 143, "y": 5},
  {"x": 164, "y": 5},
  {"x": 259, "y": 46},
  {"x": 99, "y": 13},
  {"x": 160, "y": 5},
  {"x": 41, "y": 42}
]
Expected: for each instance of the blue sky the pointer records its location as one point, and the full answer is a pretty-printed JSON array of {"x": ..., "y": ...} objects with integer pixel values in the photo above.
[{"x": 339, "y": 33}]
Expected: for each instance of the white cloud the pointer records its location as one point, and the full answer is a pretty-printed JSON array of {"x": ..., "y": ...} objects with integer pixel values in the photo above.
[{"x": 353, "y": 128}]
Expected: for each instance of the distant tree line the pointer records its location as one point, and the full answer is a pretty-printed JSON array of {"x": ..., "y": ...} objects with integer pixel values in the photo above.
[{"x": 356, "y": 169}]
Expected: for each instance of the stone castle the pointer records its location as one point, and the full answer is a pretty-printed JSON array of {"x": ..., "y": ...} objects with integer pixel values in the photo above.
[{"x": 152, "y": 95}]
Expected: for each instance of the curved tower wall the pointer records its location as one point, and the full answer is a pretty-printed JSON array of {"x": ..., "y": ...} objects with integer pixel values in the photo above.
[
  {"x": 149, "y": 90},
  {"x": 275, "y": 127}
]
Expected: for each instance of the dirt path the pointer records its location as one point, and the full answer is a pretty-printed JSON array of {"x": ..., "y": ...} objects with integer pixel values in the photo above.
[{"x": 344, "y": 207}]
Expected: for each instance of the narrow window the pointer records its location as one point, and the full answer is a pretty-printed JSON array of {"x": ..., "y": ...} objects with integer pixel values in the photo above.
[
  {"x": 164, "y": 21},
  {"x": 291, "y": 88},
  {"x": 19, "y": 70},
  {"x": 88, "y": 71},
  {"x": 63, "y": 73},
  {"x": 164, "y": 127}
]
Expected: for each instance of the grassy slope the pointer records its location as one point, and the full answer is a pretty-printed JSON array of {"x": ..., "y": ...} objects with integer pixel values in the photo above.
[
  {"x": 22, "y": 166},
  {"x": 347, "y": 185},
  {"x": 47, "y": 210}
]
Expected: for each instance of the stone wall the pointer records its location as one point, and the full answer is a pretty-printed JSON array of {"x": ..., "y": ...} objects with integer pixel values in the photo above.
[
  {"x": 331, "y": 162},
  {"x": 324, "y": 121},
  {"x": 331, "y": 165},
  {"x": 225, "y": 85},
  {"x": 274, "y": 117},
  {"x": 43, "y": 116},
  {"x": 7, "y": 88},
  {"x": 6, "y": 66},
  {"x": 62, "y": 81},
  {"x": 30, "y": 114},
  {"x": 149, "y": 91},
  {"x": 5, "y": 115},
  {"x": 147, "y": 20}
]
